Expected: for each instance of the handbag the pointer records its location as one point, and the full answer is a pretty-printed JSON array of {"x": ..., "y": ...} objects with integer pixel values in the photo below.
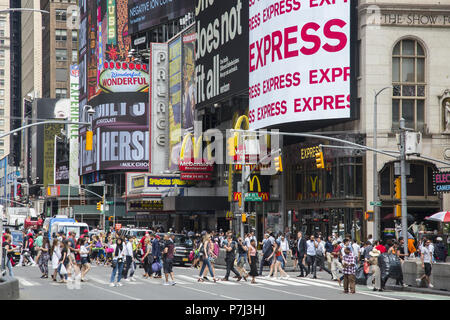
[
  {"x": 366, "y": 267},
  {"x": 63, "y": 270},
  {"x": 113, "y": 264}
]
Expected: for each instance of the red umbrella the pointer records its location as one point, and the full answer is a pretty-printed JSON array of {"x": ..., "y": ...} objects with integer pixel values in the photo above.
[{"x": 443, "y": 216}]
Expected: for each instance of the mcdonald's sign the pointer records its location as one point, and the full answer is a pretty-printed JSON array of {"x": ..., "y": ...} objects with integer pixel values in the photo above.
[{"x": 252, "y": 182}]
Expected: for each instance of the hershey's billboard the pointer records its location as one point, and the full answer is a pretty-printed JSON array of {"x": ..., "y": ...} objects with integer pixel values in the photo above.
[{"x": 121, "y": 133}]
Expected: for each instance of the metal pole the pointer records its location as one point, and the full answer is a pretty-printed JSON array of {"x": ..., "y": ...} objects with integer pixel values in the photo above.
[
  {"x": 376, "y": 211},
  {"x": 403, "y": 185},
  {"x": 243, "y": 192}
]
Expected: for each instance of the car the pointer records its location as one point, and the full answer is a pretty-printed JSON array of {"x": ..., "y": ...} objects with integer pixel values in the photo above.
[
  {"x": 183, "y": 247},
  {"x": 16, "y": 241}
]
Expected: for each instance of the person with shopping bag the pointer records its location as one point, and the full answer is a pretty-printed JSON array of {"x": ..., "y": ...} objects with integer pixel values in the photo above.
[{"x": 375, "y": 269}]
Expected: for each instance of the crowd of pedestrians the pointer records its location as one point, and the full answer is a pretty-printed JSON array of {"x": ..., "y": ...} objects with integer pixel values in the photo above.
[{"x": 71, "y": 257}]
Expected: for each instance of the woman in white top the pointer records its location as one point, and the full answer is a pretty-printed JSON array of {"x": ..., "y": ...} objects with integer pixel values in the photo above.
[
  {"x": 56, "y": 255},
  {"x": 84, "y": 252},
  {"x": 117, "y": 262}
]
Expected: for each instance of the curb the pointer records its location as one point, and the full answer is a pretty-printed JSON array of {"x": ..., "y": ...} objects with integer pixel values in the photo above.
[
  {"x": 9, "y": 288},
  {"x": 418, "y": 290}
]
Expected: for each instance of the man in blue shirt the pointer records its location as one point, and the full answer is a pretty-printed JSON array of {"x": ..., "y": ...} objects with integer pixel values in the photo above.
[{"x": 156, "y": 252}]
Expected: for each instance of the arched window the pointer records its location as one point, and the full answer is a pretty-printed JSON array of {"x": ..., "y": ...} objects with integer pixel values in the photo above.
[{"x": 408, "y": 81}]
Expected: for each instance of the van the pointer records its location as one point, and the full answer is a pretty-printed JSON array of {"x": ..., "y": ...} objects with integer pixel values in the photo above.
[{"x": 66, "y": 227}]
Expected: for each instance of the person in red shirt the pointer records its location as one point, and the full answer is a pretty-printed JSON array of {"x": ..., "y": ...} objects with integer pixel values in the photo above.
[{"x": 379, "y": 246}]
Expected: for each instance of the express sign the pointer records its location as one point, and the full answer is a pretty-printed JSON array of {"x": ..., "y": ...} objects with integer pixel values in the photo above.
[{"x": 299, "y": 66}]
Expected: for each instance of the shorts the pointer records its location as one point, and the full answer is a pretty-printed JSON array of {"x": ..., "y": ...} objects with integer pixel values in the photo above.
[
  {"x": 427, "y": 269},
  {"x": 84, "y": 260},
  {"x": 168, "y": 265},
  {"x": 280, "y": 259}
]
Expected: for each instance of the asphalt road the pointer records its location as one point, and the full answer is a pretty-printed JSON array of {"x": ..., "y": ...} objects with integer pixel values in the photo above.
[{"x": 187, "y": 288}]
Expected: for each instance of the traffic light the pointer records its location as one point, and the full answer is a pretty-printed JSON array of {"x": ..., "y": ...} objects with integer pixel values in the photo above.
[
  {"x": 278, "y": 164},
  {"x": 319, "y": 160},
  {"x": 397, "y": 188},
  {"x": 398, "y": 210},
  {"x": 368, "y": 215},
  {"x": 99, "y": 206},
  {"x": 231, "y": 146},
  {"x": 244, "y": 217},
  {"x": 89, "y": 140}
]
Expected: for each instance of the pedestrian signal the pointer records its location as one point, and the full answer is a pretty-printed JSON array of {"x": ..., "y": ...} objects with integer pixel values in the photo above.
[
  {"x": 231, "y": 146},
  {"x": 89, "y": 140},
  {"x": 368, "y": 215},
  {"x": 278, "y": 164},
  {"x": 398, "y": 210},
  {"x": 319, "y": 160},
  {"x": 397, "y": 188}
]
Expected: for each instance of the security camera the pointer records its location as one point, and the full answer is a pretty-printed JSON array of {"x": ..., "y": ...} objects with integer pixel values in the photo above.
[{"x": 90, "y": 111}]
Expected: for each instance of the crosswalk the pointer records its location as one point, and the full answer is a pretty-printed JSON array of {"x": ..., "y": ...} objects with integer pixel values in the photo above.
[{"x": 183, "y": 279}]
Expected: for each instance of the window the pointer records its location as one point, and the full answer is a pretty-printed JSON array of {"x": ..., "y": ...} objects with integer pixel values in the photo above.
[
  {"x": 61, "y": 93},
  {"x": 74, "y": 35},
  {"x": 2, "y": 152},
  {"x": 408, "y": 80},
  {"x": 2, "y": 33},
  {"x": 2, "y": 102},
  {"x": 61, "y": 74},
  {"x": 75, "y": 56},
  {"x": 2, "y": 92},
  {"x": 61, "y": 34},
  {"x": 61, "y": 54},
  {"x": 2, "y": 112},
  {"x": 2, "y": 53},
  {"x": 2, "y": 82},
  {"x": 2, "y": 122},
  {"x": 2, "y": 142},
  {"x": 2, "y": 42},
  {"x": 61, "y": 15},
  {"x": 2, "y": 62},
  {"x": 2, "y": 72}
]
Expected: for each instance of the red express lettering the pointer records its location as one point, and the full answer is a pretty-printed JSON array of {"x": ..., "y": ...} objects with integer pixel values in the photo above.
[
  {"x": 284, "y": 44},
  {"x": 270, "y": 110},
  {"x": 339, "y": 101},
  {"x": 279, "y": 8},
  {"x": 281, "y": 82},
  {"x": 329, "y": 75}
]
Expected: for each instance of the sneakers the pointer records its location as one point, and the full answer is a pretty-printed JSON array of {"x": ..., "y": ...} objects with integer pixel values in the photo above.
[
  {"x": 173, "y": 283},
  {"x": 166, "y": 284},
  {"x": 112, "y": 284},
  {"x": 418, "y": 281},
  {"x": 430, "y": 286},
  {"x": 119, "y": 284},
  {"x": 127, "y": 279},
  {"x": 132, "y": 279}
]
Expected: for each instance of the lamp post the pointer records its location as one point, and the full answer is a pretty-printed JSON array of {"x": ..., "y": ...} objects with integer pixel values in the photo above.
[{"x": 376, "y": 209}]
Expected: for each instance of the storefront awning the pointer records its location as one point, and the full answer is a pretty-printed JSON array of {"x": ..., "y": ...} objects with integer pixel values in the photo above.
[{"x": 195, "y": 203}]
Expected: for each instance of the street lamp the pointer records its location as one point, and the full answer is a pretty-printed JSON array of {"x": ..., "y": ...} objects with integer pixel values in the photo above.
[{"x": 376, "y": 211}]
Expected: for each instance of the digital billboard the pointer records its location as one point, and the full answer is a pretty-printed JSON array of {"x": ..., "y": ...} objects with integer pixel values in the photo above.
[
  {"x": 299, "y": 61},
  {"x": 144, "y": 14},
  {"x": 221, "y": 59},
  {"x": 121, "y": 133}
]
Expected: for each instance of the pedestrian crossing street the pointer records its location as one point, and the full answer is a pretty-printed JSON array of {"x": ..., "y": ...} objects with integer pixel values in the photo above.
[{"x": 183, "y": 279}]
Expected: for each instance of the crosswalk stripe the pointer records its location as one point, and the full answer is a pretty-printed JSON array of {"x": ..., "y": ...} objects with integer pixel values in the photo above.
[
  {"x": 194, "y": 279},
  {"x": 27, "y": 283},
  {"x": 290, "y": 283},
  {"x": 314, "y": 283},
  {"x": 228, "y": 283},
  {"x": 271, "y": 283},
  {"x": 98, "y": 280}
]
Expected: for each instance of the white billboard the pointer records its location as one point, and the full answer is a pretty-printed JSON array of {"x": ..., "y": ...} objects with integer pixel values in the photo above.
[{"x": 299, "y": 61}]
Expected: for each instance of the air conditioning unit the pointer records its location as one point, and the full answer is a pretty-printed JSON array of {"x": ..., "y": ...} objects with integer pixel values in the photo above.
[{"x": 413, "y": 143}]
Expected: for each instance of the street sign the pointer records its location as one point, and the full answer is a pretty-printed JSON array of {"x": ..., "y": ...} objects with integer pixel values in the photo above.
[
  {"x": 378, "y": 203},
  {"x": 252, "y": 196}
]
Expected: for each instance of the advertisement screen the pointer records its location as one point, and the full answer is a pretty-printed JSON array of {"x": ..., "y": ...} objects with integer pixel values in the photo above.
[
  {"x": 121, "y": 133},
  {"x": 144, "y": 14},
  {"x": 221, "y": 63},
  {"x": 188, "y": 79},
  {"x": 175, "y": 91},
  {"x": 299, "y": 62}
]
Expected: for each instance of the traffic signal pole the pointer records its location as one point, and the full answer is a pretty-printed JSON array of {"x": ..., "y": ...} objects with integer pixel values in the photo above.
[{"x": 403, "y": 184}]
